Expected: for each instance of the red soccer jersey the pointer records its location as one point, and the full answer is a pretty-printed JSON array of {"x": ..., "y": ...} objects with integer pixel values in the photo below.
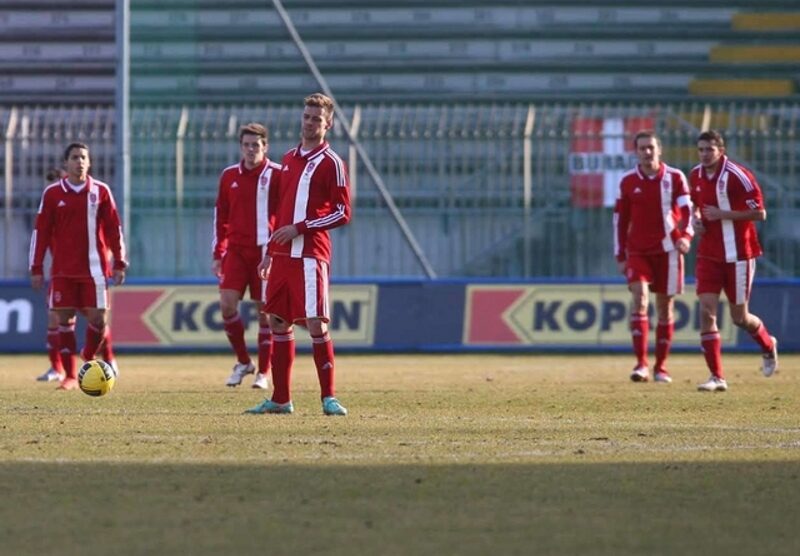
[
  {"x": 733, "y": 187},
  {"x": 314, "y": 195},
  {"x": 79, "y": 228},
  {"x": 648, "y": 210},
  {"x": 242, "y": 209}
]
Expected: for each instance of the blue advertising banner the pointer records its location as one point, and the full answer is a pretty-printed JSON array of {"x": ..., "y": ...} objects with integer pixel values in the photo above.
[{"x": 408, "y": 316}]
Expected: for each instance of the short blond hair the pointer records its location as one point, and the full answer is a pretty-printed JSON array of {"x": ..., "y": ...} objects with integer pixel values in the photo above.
[{"x": 321, "y": 101}]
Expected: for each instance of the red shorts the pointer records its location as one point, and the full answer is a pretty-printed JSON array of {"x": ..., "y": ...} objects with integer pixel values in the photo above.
[
  {"x": 78, "y": 293},
  {"x": 240, "y": 270},
  {"x": 735, "y": 278},
  {"x": 663, "y": 271},
  {"x": 298, "y": 289}
]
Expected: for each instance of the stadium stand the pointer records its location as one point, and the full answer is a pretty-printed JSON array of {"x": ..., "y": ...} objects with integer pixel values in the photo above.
[{"x": 203, "y": 51}]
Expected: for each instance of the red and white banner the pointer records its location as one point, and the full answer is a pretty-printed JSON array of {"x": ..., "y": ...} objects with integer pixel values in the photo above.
[{"x": 601, "y": 151}]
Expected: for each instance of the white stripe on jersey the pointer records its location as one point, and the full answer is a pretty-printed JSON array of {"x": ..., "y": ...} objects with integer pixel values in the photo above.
[
  {"x": 301, "y": 202},
  {"x": 742, "y": 279},
  {"x": 310, "y": 280},
  {"x": 665, "y": 191},
  {"x": 32, "y": 249},
  {"x": 339, "y": 165},
  {"x": 674, "y": 273},
  {"x": 95, "y": 266},
  {"x": 746, "y": 183},
  {"x": 214, "y": 233},
  {"x": 262, "y": 205},
  {"x": 728, "y": 231},
  {"x": 101, "y": 292}
]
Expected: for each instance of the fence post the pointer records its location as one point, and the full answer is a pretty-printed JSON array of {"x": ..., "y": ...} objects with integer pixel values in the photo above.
[
  {"x": 352, "y": 162},
  {"x": 11, "y": 131},
  {"x": 180, "y": 136},
  {"x": 527, "y": 190}
]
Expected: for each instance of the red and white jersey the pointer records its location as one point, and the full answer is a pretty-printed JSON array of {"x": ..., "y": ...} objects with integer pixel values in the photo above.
[
  {"x": 314, "y": 195},
  {"x": 732, "y": 187},
  {"x": 79, "y": 227},
  {"x": 651, "y": 213},
  {"x": 241, "y": 214}
]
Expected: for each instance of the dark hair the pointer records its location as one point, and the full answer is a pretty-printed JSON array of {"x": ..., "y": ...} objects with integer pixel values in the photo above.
[
  {"x": 74, "y": 146},
  {"x": 54, "y": 174},
  {"x": 254, "y": 128},
  {"x": 645, "y": 133},
  {"x": 712, "y": 136}
]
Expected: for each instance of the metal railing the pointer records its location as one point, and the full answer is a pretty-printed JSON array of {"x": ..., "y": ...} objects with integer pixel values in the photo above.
[{"x": 494, "y": 190}]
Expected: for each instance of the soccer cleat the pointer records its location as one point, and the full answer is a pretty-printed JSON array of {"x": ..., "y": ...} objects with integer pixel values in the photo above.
[
  {"x": 770, "y": 359},
  {"x": 268, "y": 406},
  {"x": 51, "y": 375},
  {"x": 640, "y": 374},
  {"x": 240, "y": 370},
  {"x": 261, "y": 381},
  {"x": 663, "y": 377},
  {"x": 68, "y": 384},
  {"x": 713, "y": 384},
  {"x": 331, "y": 406}
]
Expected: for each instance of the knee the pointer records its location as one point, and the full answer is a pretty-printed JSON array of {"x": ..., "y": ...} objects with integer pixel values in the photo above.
[
  {"x": 228, "y": 307},
  {"x": 739, "y": 319}
]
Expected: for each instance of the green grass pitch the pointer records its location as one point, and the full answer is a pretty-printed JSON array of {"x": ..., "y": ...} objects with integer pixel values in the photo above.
[{"x": 441, "y": 454}]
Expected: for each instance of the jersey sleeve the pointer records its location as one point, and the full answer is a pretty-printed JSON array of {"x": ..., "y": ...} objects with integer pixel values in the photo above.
[
  {"x": 622, "y": 221},
  {"x": 112, "y": 230},
  {"x": 749, "y": 190},
  {"x": 221, "y": 215},
  {"x": 40, "y": 238},
  {"x": 682, "y": 199},
  {"x": 338, "y": 185}
]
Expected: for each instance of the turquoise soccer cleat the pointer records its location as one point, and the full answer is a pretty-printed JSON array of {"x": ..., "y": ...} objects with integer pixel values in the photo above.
[
  {"x": 268, "y": 406},
  {"x": 331, "y": 406}
]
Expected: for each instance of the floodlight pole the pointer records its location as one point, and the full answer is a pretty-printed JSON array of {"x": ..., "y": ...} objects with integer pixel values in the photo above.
[
  {"x": 365, "y": 159},
  {"x": 122, "y": 166}
]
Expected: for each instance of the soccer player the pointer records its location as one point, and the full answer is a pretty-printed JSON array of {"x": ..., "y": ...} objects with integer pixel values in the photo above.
[
  {"x": 313, "y": 197},
  {"x": 240, "y": 241},
  {"x": 727, "y": 201},
  {"x": 56, "y": 370},
  {"x": 652, "y": 232},
  {"x": 78, "y": 222}
]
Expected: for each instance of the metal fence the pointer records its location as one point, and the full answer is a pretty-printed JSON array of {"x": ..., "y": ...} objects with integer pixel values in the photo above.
[{"x": 489, "y": 190}]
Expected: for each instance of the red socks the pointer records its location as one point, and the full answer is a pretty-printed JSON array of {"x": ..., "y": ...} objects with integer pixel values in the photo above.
[
  {"x": 762, "y": 338},
  {"x": 234, "y": 328},
  {"x": 264, "y": 348},
  {"x": 93, "y": 338},
  {"x": 323, "y": 359},
  {"x": 640, "y": 327},
  {"x": 282, "y": 361},
  {"x": 66, "y": 336},
  {"x": 664, "y": 333},
  {"x": 712, "y": 350},
  {"x": 53, "y": 349}
]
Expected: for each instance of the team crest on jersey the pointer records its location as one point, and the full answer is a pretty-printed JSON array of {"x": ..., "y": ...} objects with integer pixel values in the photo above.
[
  {"x": 665, "y": 184},
  {"x": 263, "y": 181},
  {"x": 310, "y": 167},
  {"x": 93, "y": 198}
]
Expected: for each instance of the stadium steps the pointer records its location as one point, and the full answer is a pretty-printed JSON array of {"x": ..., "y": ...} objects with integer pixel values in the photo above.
[{"x": 771, "y": 47}]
